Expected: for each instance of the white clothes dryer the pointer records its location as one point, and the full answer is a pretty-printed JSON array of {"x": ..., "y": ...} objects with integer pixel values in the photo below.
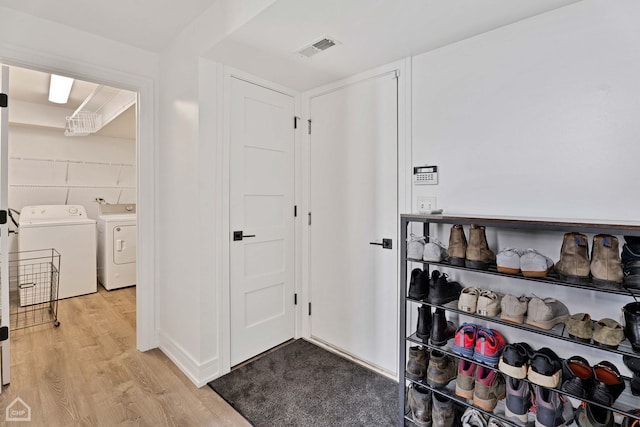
[
  {"x": 67, "y": 229},
  {"x": 117, "y": 233}
]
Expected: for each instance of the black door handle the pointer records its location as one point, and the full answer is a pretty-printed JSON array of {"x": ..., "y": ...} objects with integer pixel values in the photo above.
[
  {"x": 238, "y": 235},
  {"x": 386, "y": 243}
]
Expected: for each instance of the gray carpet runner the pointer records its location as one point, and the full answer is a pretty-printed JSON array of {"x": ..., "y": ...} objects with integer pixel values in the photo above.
[{"x": 302, "y": 384}]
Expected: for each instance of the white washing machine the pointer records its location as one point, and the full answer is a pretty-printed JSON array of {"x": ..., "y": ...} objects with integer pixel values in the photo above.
[
  {"x": 67, "y": 229},
  {"x": 117, "y": 226}
]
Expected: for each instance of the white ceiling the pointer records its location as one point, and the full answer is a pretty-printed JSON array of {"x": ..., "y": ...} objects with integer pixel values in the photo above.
[
  {"x": 147, "y": 24},
  {"x": 372, "y": 33},
  {"x": 33, "y": 87}
]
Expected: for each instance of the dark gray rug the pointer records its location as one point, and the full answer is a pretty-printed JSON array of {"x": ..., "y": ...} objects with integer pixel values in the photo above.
[{"x": 302, "y": 384}]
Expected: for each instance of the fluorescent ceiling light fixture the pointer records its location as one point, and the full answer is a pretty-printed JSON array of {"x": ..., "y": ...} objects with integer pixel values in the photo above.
[{"x": 59, "y": 89}]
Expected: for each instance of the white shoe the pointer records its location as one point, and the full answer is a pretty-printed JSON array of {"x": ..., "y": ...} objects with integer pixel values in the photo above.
[
  {"x": 534, "y": 264},
  {"x": 415, "y": 246},
  {"x": 508, "y": 260},
  {"x": 434, "y": 251},
  {"x": 468, "y": 300}
]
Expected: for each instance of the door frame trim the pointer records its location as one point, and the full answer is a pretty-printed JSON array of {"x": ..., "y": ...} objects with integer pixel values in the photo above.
[
  {"x": 403, "y": 69},
  {"x": 146, "y": 168},
  {"x": 223, "y": 277}
]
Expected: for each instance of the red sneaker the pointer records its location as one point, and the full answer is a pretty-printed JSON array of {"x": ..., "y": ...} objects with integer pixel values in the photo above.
[{"x": 489, "y": 346}]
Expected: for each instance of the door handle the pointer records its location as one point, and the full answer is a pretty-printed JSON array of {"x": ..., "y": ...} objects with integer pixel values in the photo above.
[
  {"x": 386, "y": 243},
  {"x": 239, "y": 235}
]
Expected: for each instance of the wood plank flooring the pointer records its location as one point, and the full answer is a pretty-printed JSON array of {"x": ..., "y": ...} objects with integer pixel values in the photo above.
[{"x": 88, "y": 372}]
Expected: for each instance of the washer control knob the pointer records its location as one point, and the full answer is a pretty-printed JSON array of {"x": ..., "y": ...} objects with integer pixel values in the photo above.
[{"x": 73, "y": 210}]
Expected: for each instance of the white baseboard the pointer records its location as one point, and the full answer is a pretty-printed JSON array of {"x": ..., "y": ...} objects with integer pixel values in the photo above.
[
  {"x": 198, "y": 373},
  {"x": 355, "y": 359}
]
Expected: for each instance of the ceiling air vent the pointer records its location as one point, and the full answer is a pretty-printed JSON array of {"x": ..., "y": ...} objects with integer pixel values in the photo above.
[{"x": 317, "y": 47}]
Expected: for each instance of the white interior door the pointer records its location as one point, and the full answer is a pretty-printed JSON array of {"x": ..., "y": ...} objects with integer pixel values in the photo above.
[
  {"x": 4, "y": 228},
  {"x": 354, "y": 203},
  {"x": 261, "y": 209}
]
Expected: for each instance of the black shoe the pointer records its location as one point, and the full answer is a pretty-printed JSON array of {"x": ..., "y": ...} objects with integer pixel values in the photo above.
[
  {"x": 546, "y": 368},
  {"x": 631, "y": 265},
  {"x": 633, "y": 363},
  {"x": 423, "y": 331},
  {"x": 442, "y": 329},
  {"x": 632, "y": 324},
  {"x": 608, "y": 383},
  {"x": 418, "y": 288},
  {"x": 441, "y": 291},
  {"x": 515, "y": 360},
  {"x": 577, "y": 376}
]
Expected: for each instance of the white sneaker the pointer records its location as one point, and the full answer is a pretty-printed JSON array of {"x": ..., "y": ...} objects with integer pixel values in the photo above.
[
  {"x": 473, "y": 418},
  {"x": 508, "y": 260},
  {"x": 415, "y": 246},
  {"x": 434, "y": 251},
  {"x": 534, "y": 264},
  {"x": 489, "y": 303},
  {"x": 468, "y": 300}
]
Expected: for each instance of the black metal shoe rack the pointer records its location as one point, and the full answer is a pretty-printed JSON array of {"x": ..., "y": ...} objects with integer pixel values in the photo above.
[{"x": 621, "y": 406}]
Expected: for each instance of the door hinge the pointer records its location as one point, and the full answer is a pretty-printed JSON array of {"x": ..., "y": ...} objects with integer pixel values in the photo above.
[
  {"x": 295, "y": 122},
  {"x": 295, "y": 299},
  {"x": 3, "y": 217},
  {"x": 4, "y": 100},
  {"x": 295, "y": 210},
  {"x": 309, "y": 123},
  {"x": 309, "y": 218},
  {"x": 309, "y": 309}
]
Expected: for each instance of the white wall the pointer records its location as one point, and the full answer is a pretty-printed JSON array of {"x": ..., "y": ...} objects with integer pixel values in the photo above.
[
  {"x": 190, "y": 275},
  {"x": 46, "y": 167},
  {"x": 539, "y": 118}
]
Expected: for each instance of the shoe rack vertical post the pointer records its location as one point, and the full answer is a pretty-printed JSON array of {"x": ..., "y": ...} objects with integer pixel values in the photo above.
[{"x": 404, "y": 234}]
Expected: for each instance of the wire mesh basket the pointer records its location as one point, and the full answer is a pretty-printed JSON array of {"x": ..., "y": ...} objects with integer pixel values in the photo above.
[
  {"x": 33, "y": 288},
  {"x": 83, "y": 124}
]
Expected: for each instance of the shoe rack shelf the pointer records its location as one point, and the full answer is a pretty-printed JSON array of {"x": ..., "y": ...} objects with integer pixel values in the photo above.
[
  {"x": 551, "y": 279},
  {"x": 557, "y": 332},
  {"x": 623, "y": 405}
]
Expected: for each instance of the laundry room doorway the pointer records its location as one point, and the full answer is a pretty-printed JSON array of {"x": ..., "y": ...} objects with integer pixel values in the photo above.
[{"x": 58, "y": 162}]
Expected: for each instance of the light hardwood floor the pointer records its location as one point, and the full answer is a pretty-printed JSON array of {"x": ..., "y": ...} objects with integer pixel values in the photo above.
[{"x": 87, "y": 372}]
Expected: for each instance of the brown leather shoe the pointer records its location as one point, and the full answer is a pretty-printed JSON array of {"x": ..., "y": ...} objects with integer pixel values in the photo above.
[{"x": 457, "y": 245}]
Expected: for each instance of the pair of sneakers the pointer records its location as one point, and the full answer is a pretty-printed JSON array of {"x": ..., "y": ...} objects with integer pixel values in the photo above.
[
  {"x": 481, "y": 344},
  {"x": 543, "y": 313},
  {"x": 482, "y": 385},
  {"x": 529, "y": 262},
  {"x": 484, "y": 302},
  {"x": 542, "y": 367},
  {"x": 419, "y": 248}
]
